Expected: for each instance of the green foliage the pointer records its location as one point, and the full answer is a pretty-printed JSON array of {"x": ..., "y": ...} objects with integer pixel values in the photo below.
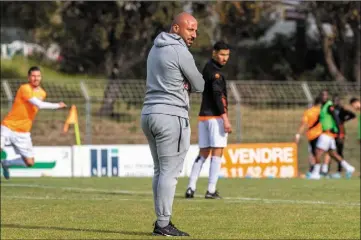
[
  {"x": 113, "y": 38},
  {"x": 314, "y": 75},
  {"x": 272, "y": 61},
  {"x": 18, "y": 67}
]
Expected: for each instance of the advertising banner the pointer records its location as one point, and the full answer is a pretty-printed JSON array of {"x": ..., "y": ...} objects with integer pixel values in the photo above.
[
  {"x": 259, "y": 160},
  {"x": 113, "y": 160},
  {"x": 49, "y": 161}
]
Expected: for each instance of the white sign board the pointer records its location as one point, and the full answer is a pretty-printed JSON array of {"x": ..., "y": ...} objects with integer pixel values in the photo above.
[
  {"x": 122, "y": 160},
  {"x": 49, "y": 161},
  {"x": 112, "y": 160}
]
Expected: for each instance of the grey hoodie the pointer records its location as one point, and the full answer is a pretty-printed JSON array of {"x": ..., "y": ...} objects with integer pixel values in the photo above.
[{"x": 170, "y": 71}]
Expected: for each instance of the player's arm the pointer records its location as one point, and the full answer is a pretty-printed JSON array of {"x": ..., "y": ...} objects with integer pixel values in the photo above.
[
  {"x": 347, "y": 115},
  {"x": 190, "y": 71},
  {"x": 45, "y": 105},
  {"x": 331, "y": 110},
  {"x": 220, "y": 105},
  {"x": 301, "y": 129},
  {"x": 26, "y": 94}
]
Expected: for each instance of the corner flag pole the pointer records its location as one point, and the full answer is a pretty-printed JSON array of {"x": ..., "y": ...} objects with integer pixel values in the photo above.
[
  {"x": 77, "y": 134},
  {"x": 73, "y": 119}
]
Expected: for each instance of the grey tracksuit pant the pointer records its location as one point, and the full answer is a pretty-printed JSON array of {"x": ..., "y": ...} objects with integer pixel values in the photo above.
[{"x": 169, "y": 139}]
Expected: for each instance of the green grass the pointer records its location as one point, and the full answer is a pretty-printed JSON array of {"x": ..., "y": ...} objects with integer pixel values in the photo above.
[
  {"x": 18, "y": 67},
  {"x": 56, "y": 83},
  {"x": 100, "y": 208}
]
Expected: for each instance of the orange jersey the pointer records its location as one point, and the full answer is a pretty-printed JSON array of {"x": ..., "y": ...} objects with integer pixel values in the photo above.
[
  {"x": 311, "y": 117},
  {"x": 22, "y": 114}
]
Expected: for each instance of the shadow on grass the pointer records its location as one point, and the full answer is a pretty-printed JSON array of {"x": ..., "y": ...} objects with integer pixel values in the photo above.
[{"x": 18, "y": 226}]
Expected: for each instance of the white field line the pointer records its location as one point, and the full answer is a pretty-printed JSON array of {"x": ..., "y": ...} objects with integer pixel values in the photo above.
[
  {"x": 72, "y": 199},
  {"x": 95, "y": 190}
]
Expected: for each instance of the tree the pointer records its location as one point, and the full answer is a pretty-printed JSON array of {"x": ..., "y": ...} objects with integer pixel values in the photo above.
[
  {"x": 35, "y": 17},
  {"x": 113, "y": 38},
  {"x": 142, "y": 22},
  {"x": 355, "y": 23},
  {"x": 338, "y": 14}
]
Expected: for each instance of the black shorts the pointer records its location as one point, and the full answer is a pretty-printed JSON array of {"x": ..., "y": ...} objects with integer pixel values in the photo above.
[{"x": 313, "y": 146}]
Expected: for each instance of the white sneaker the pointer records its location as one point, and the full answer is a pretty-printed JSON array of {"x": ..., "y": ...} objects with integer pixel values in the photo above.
[
  {"x": 315, "y": 176},
  {"x": 349, "y": 172}
]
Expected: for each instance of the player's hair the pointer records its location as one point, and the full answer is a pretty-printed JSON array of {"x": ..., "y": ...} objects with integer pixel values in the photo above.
[
  {"x": 220, "y": 45},
  {"x": 317, "y": 101},
  {"x": 353, "y": 100},
  {"x": 32, "y": 69},
  {"x": 324, "y": 90},
  {"x": 335, "y": 97}
]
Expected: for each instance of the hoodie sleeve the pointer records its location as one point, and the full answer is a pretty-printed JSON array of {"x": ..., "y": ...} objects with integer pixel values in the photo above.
[{"x": 190, "y": 71}]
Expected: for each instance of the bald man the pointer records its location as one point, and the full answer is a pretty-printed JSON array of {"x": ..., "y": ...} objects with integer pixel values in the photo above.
[{"x": 171, "y": 76}]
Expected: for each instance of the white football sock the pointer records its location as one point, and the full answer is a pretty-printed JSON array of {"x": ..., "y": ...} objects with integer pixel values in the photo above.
[
  {"x": 213, "y": 173},
  {"x": 196, "y": 169},
  {"x": 324, "y": 168},
  {"x": 316, "y": 169},
  {"x": 14, "y": 162},
  {"x": 347, "y": 166}
]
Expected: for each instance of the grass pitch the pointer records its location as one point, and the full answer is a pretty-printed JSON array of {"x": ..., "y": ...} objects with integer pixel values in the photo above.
[{"x": 122, "y": 208}]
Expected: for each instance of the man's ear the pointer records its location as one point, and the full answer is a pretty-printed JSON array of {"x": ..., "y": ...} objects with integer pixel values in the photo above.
[
  {"x": 214, "y": 53},
  {"x": 175, "y": 28}
]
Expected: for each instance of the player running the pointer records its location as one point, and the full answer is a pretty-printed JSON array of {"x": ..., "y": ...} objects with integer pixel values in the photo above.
[
  {"x": 326, "y": 142},
  {"x": 16, "y": 126},
  {"x": 344, "y": 115},
  {"x": 214, "y": 125},
  {"x": 311, "y": 122}
]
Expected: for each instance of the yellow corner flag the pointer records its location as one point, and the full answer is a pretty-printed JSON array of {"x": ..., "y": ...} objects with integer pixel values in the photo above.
[{"x": 73, "y": 119}]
